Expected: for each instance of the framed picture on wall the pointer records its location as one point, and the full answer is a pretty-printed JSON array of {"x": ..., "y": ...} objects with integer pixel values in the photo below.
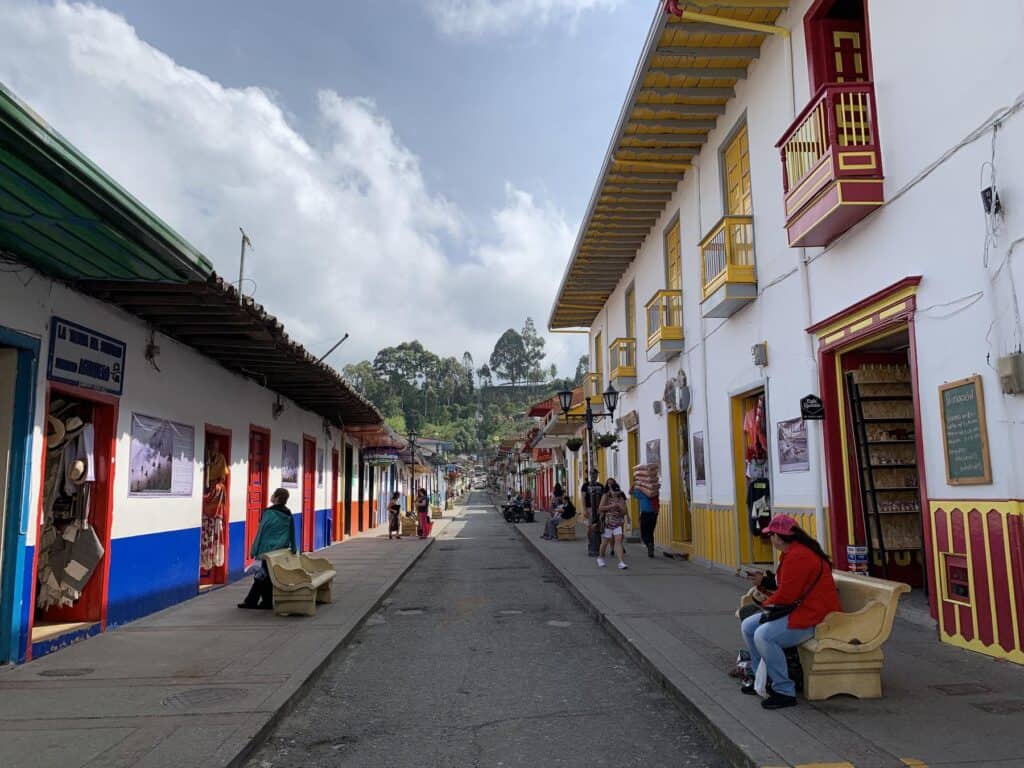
[
  {"x": 289, "y": 464},
  {"x": 792, "y": 442},
  {"x": 699, "y": 470}
]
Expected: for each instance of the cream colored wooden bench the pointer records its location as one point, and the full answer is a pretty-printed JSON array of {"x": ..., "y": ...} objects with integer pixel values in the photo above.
[
  {"x": 566, "y": 530},
  {"x": 845, "y": 654},
  {"x": 408, "y": 525},
  {"x": 300, "y": 581}
]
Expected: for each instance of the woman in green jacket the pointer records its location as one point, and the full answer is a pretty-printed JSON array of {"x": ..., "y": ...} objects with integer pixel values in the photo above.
[{"x": 276, "y": 531}]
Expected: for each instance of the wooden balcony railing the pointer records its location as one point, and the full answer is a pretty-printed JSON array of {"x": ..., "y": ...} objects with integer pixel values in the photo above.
[
  {"x": 664, "y": 317},
  {"x": 727, "y": 254},
  {"x": 622, "y": 359},
  {"x": 592, "y": 388},
  {"x": 834, "y": 137}
]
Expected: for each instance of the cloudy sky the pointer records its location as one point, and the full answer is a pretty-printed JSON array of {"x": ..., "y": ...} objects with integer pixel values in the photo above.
[{"x": 405, "y": 169}]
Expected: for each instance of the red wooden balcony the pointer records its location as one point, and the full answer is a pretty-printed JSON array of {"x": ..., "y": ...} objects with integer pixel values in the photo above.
[{"x": 831, "y": 164}]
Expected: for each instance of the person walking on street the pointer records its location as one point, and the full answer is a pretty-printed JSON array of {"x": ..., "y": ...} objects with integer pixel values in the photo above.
[
  {"x": 596, "y": 490},
  {"x": 806, "y": 594},
  {"x": 648, "y": 517},
  {"x": 276, "y": 531},
  {"x": 613, "y": 510},
  {"x": 423, "y": 512},
  {"x": 394, "y": 514}
]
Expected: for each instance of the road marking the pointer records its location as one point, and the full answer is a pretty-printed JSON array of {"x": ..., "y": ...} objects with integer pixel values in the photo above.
[{"x": 913, "y": 762}]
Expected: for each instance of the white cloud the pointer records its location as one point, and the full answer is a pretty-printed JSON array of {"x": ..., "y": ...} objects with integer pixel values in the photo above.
[
  {"x": 347, "y": 236},
  {"x": 475, "y": 18}
]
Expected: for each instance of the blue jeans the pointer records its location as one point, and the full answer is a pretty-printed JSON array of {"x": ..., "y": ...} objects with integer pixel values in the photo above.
[{"x": 768, "y": 641}]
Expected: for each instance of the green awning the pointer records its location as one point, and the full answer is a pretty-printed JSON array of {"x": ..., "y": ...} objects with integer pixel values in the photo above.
[{"x": 65, "y": 217}]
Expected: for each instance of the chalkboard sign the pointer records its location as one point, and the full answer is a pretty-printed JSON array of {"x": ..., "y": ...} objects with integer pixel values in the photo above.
[{"x": 964, "y": 435}]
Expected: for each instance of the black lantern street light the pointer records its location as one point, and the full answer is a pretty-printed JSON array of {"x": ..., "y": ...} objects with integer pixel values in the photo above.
[{"x": 611, "y": 402}]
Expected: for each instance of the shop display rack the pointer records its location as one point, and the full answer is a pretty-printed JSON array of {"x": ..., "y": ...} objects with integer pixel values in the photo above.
[{"x": 881, "y": 406}]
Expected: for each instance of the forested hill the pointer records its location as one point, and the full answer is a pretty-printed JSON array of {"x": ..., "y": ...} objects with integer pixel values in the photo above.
[{"x": 452, "y": 399}]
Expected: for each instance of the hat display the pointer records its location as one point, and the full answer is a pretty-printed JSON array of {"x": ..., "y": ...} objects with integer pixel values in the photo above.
[
  {"x": 73, "y": 426},
  {"x": 55, "y": 432},
  {"x": 781, "y": 524},
  {"x": 77, "y": 471}
]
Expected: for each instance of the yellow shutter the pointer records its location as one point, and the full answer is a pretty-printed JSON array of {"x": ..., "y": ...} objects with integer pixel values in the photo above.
[
  {"x": 630, "y": 313},
  {"x": 673, "y": 270},
  {"x": 737, "y": 176}
]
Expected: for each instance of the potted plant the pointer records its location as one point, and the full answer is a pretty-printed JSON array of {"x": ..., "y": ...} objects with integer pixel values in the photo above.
[
  {"x": 574, "y": 444},
  {"x": 607, "y": 440}
]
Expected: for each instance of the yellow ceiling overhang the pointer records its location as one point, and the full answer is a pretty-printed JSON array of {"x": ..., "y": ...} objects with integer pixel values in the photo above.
[{"x": 685, "y": 76}]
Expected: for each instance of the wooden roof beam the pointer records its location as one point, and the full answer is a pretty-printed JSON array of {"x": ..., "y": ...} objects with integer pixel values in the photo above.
[
  {"x": 683, "y": 139},
  {"x": 718, "y": 73},
  {"x": 691, "y": 92},
  {"x": 709, "y": 51},
  {"x": 730, "y": 23},
  {"x": 681, "y": 109},
  {"x": 689, "y": 125}
]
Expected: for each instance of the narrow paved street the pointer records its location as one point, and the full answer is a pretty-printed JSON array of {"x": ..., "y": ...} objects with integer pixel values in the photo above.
[{"x": 479, "y": 658}]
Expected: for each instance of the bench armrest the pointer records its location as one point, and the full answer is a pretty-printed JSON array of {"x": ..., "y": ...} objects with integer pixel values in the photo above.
[
  {"x": 289, "y": 577},
  {"x": 860, "y": 631},
  {"x": 315, "y": 564}
]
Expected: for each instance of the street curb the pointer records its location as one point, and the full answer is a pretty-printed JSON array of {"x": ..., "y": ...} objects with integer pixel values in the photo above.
[
  {"x": 735, "y": 752},
  {"x": 256, "y": 739}
]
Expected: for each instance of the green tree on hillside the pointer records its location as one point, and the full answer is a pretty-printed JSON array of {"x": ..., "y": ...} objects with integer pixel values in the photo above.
[{"x": 510, "y": 360}]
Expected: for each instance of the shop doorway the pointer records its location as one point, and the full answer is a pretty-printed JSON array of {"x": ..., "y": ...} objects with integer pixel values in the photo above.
[
  {"x": 257, "y": 494},
  {"x": 633, "y": 456},
  {"x": 362, "y": 495},
  {"x": 213, "y": 535},
  {"x": 679, "y": 477},
  {"x": 308, "y": 492},
  {"x": 72, "y": 557},
  {"x": 882, "y": 433},
  {"x": 335, "y": 516},
  {"x": 371, "y": 496},
  {"x": 348, "y": 490},
  {"x": 18, "y": 364},
  {"x": 752, "y": 474}
]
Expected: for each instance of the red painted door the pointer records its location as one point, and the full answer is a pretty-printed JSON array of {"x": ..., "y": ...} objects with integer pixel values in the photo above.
[
  {"x": 257, "y": 494},
  {"x": 308, "y": 491},
  {"x": 335, "y": 513}
]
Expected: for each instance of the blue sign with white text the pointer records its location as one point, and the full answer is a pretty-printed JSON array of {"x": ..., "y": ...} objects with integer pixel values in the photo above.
[{"x": 85, "y": 358}]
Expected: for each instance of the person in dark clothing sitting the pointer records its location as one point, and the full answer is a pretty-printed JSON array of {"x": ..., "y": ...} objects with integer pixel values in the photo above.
[{"x": 276, "y": 531}]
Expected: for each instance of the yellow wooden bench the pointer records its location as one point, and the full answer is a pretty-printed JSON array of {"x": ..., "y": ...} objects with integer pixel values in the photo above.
[
  {"x": 408, "y": 525},
  {"x": 845, "y": 654},
  {"x": 299, "y": 581}
]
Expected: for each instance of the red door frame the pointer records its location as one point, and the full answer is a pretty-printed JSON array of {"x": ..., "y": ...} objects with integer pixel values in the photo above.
[
  {"x": 884, "y": 321},
  {"x": 219, "y": 575},
  {"x": 252, "y": 521},
  {"x": 308, "y": 490},
  {"x": 105, "y": 423},
  {"x": 336, "y": 530}
]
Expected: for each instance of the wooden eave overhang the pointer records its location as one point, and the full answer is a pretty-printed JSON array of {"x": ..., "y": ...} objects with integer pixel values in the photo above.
[
  {"x": 242, "y": 337},
  {"x": 694, "y": 55}
]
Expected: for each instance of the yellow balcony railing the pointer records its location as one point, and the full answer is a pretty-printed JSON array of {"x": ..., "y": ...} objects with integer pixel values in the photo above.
[
  {"x": 592, "y": 387},
  {"x": 664, "y": 318},
  {"x": 727, "y": 254},
  {"x": 622, "y": 358}
]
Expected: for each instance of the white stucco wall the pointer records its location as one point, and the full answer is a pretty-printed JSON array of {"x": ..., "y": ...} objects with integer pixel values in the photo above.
[
  {"x": 936, "y": 228},
  {"x": 189, "y": 389}
]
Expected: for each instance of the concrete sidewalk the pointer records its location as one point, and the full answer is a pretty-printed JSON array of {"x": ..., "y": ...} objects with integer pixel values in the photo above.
[
  {"x": 942, "y": 706},
  {"x": 192, "y": 685}
]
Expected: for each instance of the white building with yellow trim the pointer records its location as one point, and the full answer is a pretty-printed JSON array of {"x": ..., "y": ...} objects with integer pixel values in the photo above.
[{"x": 799, "y": 198}]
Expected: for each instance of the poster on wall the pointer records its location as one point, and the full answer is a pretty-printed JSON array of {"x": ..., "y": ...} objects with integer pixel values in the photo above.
[
  {"x": 162, "y": 457},
  {"x": 289, "y": 464},
  {"x": 793, "y": 452},
  {"x": 699, "y": 470},
  {"x": 319, "y": 467},
  {"x": 652, "y": 453}
]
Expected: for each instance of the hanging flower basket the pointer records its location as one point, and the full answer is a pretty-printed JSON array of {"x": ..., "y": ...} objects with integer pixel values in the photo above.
[
  {"x": 607, "y": 440},
  {"x": 573, "y": 444}
]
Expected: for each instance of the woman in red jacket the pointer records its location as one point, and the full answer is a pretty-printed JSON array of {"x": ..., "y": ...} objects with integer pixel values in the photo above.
[{"x": 805, "y": 585}]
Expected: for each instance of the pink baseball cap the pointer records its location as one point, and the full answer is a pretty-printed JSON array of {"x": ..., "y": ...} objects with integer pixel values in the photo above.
[{"x": 782, "y": 524}]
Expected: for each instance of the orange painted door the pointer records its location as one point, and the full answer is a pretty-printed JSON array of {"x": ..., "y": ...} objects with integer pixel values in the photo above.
[{"x": 256, "y": 494}]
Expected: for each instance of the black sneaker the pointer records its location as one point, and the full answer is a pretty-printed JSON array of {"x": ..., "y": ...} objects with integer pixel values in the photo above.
[
  {"x": 248, "y": 605},
  {"x": 779, "y": 701}
]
